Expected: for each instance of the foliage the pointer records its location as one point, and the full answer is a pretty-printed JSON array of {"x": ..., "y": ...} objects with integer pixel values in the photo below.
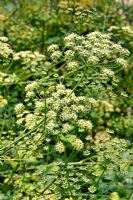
[{"x": 66, "y": 100}]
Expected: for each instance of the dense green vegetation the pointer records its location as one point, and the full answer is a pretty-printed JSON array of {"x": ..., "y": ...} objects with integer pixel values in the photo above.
[{"x": 66, "y": 100}]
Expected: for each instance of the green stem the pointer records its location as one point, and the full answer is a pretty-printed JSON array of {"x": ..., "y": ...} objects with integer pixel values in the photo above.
[
  {"x": 101, "y": 176},
  {"x": 130, "y": 195},
  {"x": 8, "y": 147}
]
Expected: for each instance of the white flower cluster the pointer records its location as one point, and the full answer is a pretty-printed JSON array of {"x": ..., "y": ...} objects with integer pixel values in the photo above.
[
  {"x": 19, "y": 108},
  {"x": 3, "y": 102},
  {"x": 115, "y": 196},
  {"x": 75, "y": 142},
  {"x": 107, "y": 72},
  {"x": 39, "y": 105},
  {"x": 108, "y": 107},
  {"x": 53, "y": 47},
  {"x": 128, "y": 29},
  {"x": 8, "y": 78},
  {"x": 60, "y": 147},
  {"x": 30, "y": 121},
  {"x": 121, "y": 62},
  {"x": 114, "y": 150},
  {"x": 93, "y": 102},
  {"x": 84, "y": 124},
  {"x": 78, "y": 144},
  {"x": 55, "y": 53},
  {"x": 30, "y": 60},
  {"x": 66, "y": 128},
  {"x": 92, "y": 49},
  {"x": 31, "y": 86},
  {"x": 72, "y": 65},
  {"x": 2, "y": 77},
  {"x": 59, "y": 114},
  {"x": 69, "y": 54},
  {"x": 3, "y": 39},
  {"x": 92, "y": 189},
  {"x": 5, "y": 50},
  {"x": 30, "y": 94},
  {"x": 62, "y": 112}
]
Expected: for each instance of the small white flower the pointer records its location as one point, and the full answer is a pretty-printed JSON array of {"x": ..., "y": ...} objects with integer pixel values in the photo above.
[
  {"x": 53, "y": 47},
  {"x": 70, "y": 37},
  {"x": 121, "y": 62},
  {"x": 30, "y": 94},
  {"x": 60, "y": 147},
  {"x": 4, "y": 39},
  {"x": 69, "y": 54},
  {"x": 31, "y": 86},
  {"x": 72, "y": 65},
  {"x": 93, "y": 59},
  {"x": 84, "y": 124},
  {"x": 108, "y": 72},
  {"x": 66, "y": 128},
  {"x": 30, "y": 121},
  {"x": 92, "y": 189},
  {"x": 60, "y": 87},
  {"x": 19, "y": 108},
  {"x": 77, "y": 144},
  {"x": 3, "y": 102},
  {"x": 51, "y": 125},
  {"x": 51, "y": 115},
  {"x": 56, "y": 55}
]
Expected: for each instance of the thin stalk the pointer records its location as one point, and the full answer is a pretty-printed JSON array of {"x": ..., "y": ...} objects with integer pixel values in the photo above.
[
  {"x": 130, "y": 195},
  {"x": 8, "y": 147},
  {"x": 101, "y": 176}
]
